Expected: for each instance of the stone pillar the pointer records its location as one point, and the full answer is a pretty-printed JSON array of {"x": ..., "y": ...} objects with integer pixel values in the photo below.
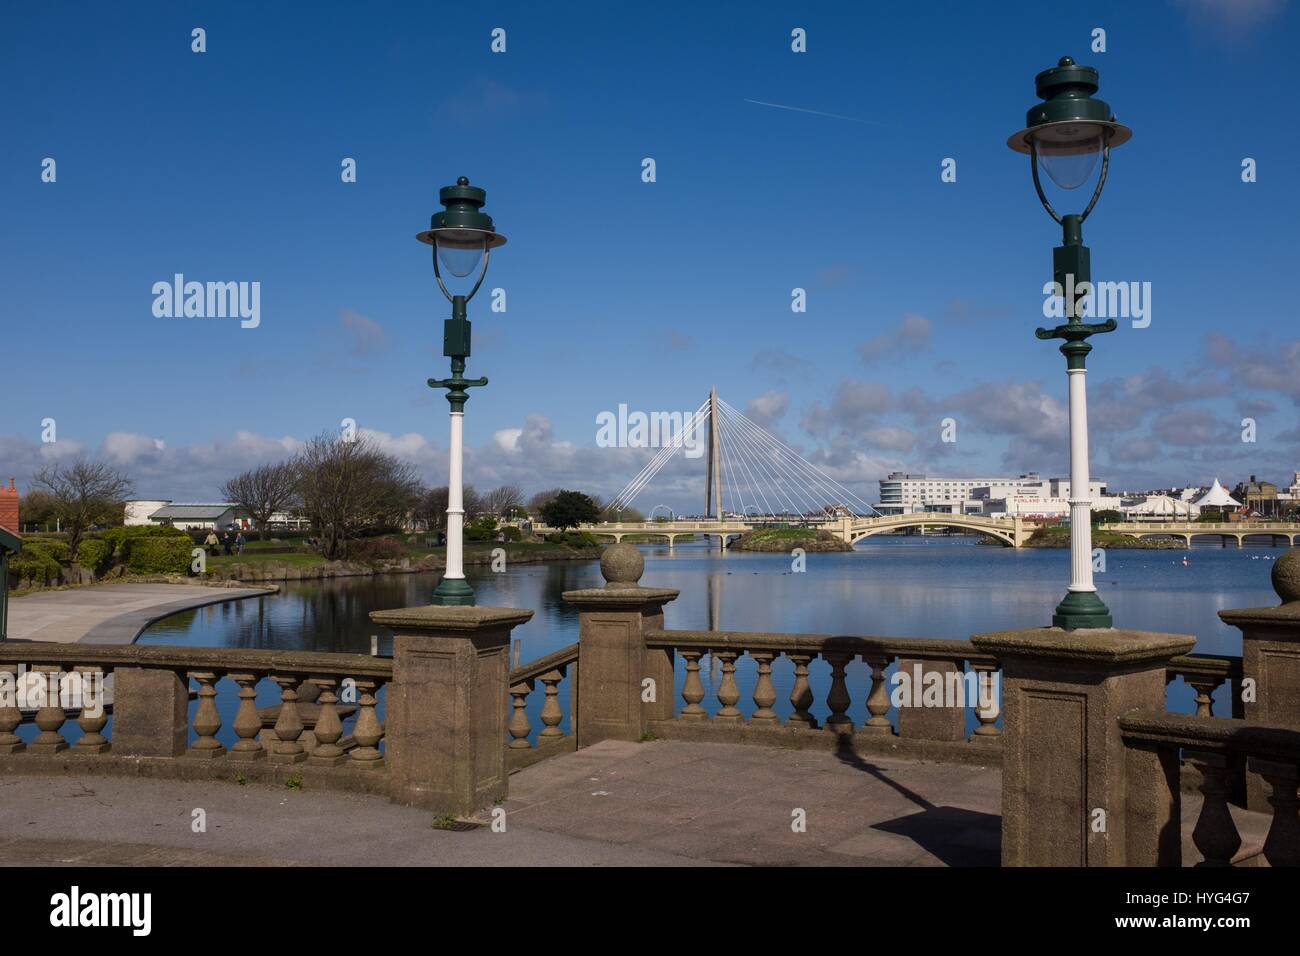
[
  {"x": 925, "y": 717},
  {"x": 613, "y": 661},
  {"x": 1270, "y": 657},
  {"x": 150, "y": 712},
  {"x": 1063, "y": 756},
  {"x": 445, "y": 732}
]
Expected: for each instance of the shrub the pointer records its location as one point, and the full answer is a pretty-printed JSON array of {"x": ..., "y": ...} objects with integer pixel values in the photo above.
[
  {"x": 159, "y": 555},
  {"x": 50, "y": 547},
  {"x": 512, "y": 534},
  {"x": 95, "y": 554},
  {"x": 482, "y": 528},
  {"x": 574, "y": 539},
  {"x": 377, "y": 549},
  {"x": 35, "y": 565},
  {"x": 123, "y": 539}
]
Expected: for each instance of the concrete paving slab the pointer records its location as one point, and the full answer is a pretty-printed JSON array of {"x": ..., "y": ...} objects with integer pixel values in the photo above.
[{"x": 109, "y": 613}]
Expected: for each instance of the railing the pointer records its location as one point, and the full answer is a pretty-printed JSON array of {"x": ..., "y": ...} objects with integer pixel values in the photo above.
[
  {"x": 1213, "y": 746},
  {"x": 1205, "y": 673},
  {"x": 150, "y": 701},
  {"x": 923, "y": 729},
  {"x": 1244, "y": 527},
  {"x": 549, "y": 671}
]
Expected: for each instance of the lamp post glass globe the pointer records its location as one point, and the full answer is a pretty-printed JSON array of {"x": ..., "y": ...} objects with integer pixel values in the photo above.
[
  {"x": 1068, "y": 154},
  {"x": 460, "y": 251}
]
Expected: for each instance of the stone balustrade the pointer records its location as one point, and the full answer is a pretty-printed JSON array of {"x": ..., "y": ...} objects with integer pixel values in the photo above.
[
  {"x": 548, "y": 672},
  {"x": 132, "y": 707},
  {"x": 939, "y": 683},
  {"x": 1212, "y": 746}
]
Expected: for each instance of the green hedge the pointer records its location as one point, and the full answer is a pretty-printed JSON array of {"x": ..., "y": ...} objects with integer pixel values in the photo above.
[
  {"x": 35, "y": 565},
  {"x": 50, "y": 547},
  {"x": 124, "y": 539},
  {"x": 574, "y": 539},
  {"x": 95, "y": 554},
  {"x": 159, "y": 555}
]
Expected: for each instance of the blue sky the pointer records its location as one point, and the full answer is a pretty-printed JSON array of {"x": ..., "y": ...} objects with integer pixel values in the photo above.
[{"x": 922, "y": 295}]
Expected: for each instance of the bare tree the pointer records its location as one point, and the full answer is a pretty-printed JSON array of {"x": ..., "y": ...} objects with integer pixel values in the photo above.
[
  {"x": 499, "y": 500},
  {"x": 263, "y": 491},
  {"x": 347, "y": 486},
  {"x": 431, "y": 508},
  {"x": 83, "y": 494},
  {"x": 537, "y": 501}
]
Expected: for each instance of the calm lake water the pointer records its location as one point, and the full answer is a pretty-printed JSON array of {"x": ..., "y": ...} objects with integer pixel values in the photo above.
[{"x": 943, "y": 587}]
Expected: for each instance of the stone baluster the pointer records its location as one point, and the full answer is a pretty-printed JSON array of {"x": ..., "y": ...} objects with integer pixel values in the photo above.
[
  {"x": 838, "y": 699},
  {"x": 328, "y": 728},
  {"x": 987, "y": 705},
  {"x": 764, "y": 692},
  {"x": 728, "y": 692},
  {"x": 289, "y": 725},
  {"x": 247, "y": 722},
  {"x": 10, "y": 715},
  {"x": 1203, "y": 687},
  {"x": 50, "y": 716},
  {"x": 801, "y": 695},
  {"x": 552, "y": 713},
  {"x": 1215, "y": 834},
  {"x": 94, "y": 715},
  {"x": 519, "y": 726},
  {"x": 368, "y": 730},
  {"x": 207, "y": 721},
  {"x": 878, "y": 699},
  {"x": 1282, "y": 845},
  {"x": 693, "y": 689}
]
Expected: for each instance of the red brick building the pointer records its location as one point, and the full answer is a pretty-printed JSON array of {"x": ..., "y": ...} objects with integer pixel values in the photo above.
[{"x": 9, "y": 508}]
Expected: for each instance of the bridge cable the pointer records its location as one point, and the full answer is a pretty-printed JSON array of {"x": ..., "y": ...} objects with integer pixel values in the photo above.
[
  {"x": 815, "y": 488},
  {"x": 745, "y": 464},
  {"x": 838, "y": 486},
  {"x": 809, "y": 494},
  {"x": 765, "y": 466}
]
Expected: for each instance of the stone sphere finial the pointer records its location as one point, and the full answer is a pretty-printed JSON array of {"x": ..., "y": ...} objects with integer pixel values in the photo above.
[
  {"x": 1286, "y": 576},
  {"x": 622, "y": 566}
]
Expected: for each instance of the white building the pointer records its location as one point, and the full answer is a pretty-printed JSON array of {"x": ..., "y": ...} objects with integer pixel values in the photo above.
[
  {"x": 1027, "y": 495},
  {"x": 202, "y": 516}
]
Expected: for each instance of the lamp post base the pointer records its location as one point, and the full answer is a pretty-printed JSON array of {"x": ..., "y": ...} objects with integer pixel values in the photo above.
[
  {"x": 1081, "y": 609},
  {"x": 453, "y": 592}
]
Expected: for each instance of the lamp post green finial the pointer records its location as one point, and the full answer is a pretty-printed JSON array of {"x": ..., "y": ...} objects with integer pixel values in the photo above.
[
  {"x": 1066, "y": 134},
  {"x": 463, "y": 237}
]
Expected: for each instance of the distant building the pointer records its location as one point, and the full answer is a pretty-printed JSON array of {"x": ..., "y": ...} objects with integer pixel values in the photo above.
[
  {"x": 1027, "y": 495},
  {"x": 216, "y": 516},
  {"x": 1218, "y": 498},
  {"x": 1258, "y": 496}
]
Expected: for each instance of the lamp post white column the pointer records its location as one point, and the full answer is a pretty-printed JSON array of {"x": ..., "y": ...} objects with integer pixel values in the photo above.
[
  {"x": 1080, "y": 490},
  {"x": 456, "y": 501}
]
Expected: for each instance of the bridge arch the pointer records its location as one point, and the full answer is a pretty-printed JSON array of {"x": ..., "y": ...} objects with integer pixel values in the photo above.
[{"x": 1007, "y": 530}]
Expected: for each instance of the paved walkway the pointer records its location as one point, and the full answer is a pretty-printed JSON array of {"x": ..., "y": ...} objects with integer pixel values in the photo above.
[
  {"x": 108, "y": 613},
  {"x": 615, "y": 804}
]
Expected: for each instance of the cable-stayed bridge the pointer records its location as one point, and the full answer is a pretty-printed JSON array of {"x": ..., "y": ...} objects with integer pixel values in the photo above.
[{"x": 753, "y": 479}]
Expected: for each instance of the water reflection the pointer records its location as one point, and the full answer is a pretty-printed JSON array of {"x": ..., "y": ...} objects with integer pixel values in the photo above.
[{"x": 892, "y": 587}]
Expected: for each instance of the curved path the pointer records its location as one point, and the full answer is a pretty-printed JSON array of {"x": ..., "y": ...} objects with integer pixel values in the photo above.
[{"x": 110, "y": 613}]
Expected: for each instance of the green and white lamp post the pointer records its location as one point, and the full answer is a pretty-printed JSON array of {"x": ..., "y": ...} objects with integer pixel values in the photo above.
[
  {"x": 463, "y": 237},
  {"x": 1067, "y": 133}
]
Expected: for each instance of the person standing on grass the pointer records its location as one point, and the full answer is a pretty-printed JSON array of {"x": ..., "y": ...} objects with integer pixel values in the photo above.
[
  {"x": 211, "y": 542},
  {"x": 239, "y": 543}
]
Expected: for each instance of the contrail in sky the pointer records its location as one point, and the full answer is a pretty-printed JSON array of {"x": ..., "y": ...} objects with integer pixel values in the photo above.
[{"x": 800, "y": 109}]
